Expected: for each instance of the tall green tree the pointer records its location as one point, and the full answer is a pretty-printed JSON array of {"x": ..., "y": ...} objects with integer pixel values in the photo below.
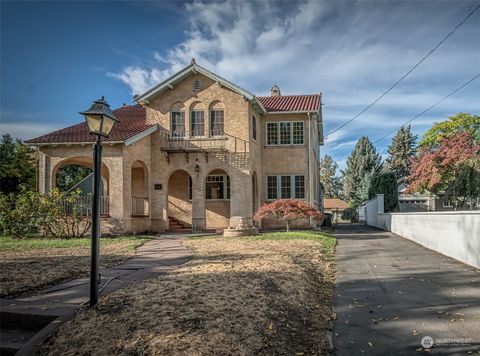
[
  {"x": 363, "y": 164},
  {"x": 17, "y": 168},
  {"x": 401, "y": 151},
  {"x": 461, "y": 122},
  {"x": 332, "y": 185},
  {"x": 69, "y": 175}
]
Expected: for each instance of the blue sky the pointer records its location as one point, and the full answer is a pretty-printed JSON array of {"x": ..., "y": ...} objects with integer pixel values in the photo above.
[{"x": 56, "y": 57}]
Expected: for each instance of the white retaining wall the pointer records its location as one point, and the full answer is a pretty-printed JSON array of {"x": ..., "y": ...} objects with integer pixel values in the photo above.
[{"x": 454, "y": 233}]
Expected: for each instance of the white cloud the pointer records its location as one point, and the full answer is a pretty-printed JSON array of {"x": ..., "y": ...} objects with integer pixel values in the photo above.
[{"x": 350, "y": 51}]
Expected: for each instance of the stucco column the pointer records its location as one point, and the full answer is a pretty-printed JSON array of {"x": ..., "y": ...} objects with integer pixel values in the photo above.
[
  {"x": 380, "y": 204},
  {"x": 116, "y": 186},
  {"x": 44, "y": 173},
  {"x": 240, "y": 198},
  {"x": 198, "y": 202}
]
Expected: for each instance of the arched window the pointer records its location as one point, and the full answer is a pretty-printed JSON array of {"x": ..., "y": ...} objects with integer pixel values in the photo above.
[
  {"x": 197, "y": 119},
  {"x": 217, "y": 119},
  {"x": 177, "y": 120}
]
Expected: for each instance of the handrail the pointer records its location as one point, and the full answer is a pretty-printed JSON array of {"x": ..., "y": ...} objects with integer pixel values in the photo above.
[{"x": 203, "y": 140}]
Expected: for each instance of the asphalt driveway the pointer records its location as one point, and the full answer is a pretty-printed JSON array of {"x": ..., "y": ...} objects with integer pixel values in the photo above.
[{"x": 391, "y": 292}]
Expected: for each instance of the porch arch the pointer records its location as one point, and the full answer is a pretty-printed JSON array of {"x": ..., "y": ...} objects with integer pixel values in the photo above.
[
  {"x": 139, "y": 189},
  {"x": 217, "y": 185},
  {"x": 179, "y": 199},
  {"x": 84, "y": 162}
]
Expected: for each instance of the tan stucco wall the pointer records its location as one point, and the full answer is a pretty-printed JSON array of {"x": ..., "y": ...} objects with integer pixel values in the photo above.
[{"x": 245, "y": 158}]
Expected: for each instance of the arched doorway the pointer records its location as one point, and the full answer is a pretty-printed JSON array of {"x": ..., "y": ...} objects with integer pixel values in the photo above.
[
  {"x": 217, "y": 199},
  {"x": 139, "y": 189},
  {"x": 180, "y": 194}
]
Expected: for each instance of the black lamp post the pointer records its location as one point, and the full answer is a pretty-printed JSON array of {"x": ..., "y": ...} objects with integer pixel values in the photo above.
[{"x": 100, "y": 121}]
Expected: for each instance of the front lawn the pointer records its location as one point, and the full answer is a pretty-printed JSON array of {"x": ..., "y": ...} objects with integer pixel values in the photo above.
[
  {"x": 30, "y": 264},
  {"x": 263, "y": 295}
]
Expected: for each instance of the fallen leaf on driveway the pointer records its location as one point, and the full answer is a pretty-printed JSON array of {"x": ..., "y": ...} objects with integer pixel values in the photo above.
[
  {"x": 396, "y": 318},
  {"x": 370, "y": 344},
  {"x": 415, "y": 332}
]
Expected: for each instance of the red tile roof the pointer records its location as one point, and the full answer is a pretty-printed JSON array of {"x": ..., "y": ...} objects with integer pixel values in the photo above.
[
  {"x": 132, "y": 121},
  {"x": 291, "y": 102}
]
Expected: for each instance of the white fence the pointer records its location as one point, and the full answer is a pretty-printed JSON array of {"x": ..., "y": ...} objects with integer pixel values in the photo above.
[{"x": 453, "y": 233}]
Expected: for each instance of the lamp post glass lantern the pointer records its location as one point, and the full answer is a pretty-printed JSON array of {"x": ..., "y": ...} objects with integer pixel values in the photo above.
[{"x": 100, "y": 121}]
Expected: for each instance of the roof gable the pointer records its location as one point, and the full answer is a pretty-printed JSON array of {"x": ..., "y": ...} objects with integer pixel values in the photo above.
[{"x": 194, "y": 68}]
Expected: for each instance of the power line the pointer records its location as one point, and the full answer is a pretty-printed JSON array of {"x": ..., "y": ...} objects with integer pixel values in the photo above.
[
  {"x": 411, "y": 70},
  {"x": 429, "y": 108}
]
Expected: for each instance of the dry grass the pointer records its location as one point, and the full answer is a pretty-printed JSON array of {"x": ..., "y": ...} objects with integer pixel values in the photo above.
[
  {"x": 29, "y": 265},
  {"x": 235, "y": 297}
]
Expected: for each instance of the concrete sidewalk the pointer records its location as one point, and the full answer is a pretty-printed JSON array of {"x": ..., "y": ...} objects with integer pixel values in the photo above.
[
  {"x": 23, "y": 317},
  {"x": 391, "y": 292}
]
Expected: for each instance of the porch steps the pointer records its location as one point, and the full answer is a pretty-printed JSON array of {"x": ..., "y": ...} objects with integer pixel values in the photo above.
[{"x": 175, "y": 225}]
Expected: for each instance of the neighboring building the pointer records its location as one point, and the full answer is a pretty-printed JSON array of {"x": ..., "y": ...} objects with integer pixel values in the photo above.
[
  {"x": 421, "y": 202},
  {"x": 197, "y": 149},
  {"x": 335, "y": 207}
]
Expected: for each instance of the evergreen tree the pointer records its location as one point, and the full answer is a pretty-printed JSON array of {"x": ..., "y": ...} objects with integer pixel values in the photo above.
[
  {"x": 363, "y": 164},
  {"x": 17, "y": 167},
  {"x": 331, "y": 182},
  {"x": 401, "y": 151}
]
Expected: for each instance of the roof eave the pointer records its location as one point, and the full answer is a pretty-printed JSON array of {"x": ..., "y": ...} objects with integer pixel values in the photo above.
[{"x": 293, "y": 112}]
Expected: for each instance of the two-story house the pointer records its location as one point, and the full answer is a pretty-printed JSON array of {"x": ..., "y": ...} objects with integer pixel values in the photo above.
[{"x": 198, "y": 150}]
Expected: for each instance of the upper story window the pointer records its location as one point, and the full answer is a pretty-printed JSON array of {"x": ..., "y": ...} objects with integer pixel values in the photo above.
[
  {"x": 254, "y": 128},
  {"x": 217, "y": 124},
  {"x": 197, "y": 123},
  {"x": 217, "y": 187},
  {"x": 196, "y": 85},
  {"x": 285, "y": 133},
  {"x": 286, "y": 187},
  {"x": 178, "y": 123}
]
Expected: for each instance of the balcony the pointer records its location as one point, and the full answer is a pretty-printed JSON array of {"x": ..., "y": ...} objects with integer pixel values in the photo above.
[{"x": 202, "y": 141}]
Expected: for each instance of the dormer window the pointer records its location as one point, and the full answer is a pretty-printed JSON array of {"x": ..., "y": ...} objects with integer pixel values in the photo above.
[{"x": 196, "y": 85}]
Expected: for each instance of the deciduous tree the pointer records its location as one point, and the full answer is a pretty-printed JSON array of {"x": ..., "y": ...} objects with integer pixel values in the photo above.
[
  {"x": 451, "y": 166},
  {"x": 288, "y": 210}
]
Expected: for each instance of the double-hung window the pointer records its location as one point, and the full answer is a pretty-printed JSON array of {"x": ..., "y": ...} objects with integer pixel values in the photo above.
[
  {"x": 217, "y": 122},
  {"x": 285, "y": 187},
  {"x": 178, "y": 124},
  {"x": 197, "y": 123},
  {"x": 285, "y": 133},
  {"x": 217, "y": 187}
]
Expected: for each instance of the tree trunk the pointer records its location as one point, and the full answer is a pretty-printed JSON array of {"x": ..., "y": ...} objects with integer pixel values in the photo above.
[{"x": 288, "y": 225}]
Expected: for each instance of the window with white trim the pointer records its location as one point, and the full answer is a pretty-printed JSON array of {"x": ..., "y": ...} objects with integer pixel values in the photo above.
[
  {"x": 447, "y": 203},
  {"x": 285, "y": 133},
  {"x": 285, "y": 187},
  {"x": 217, "y": 187},
  {"x": 178, "y": 123},
  {"x": 197, "y": 123},
  {"x": 217, "y": 123},
  {"x": 272, "y": 133}
]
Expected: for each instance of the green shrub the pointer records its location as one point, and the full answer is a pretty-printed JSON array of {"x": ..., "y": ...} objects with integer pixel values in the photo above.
[
  {"x": 386, "y": 184},
  {"x": 350, "y": 214},
  {"x": 55, "y": 214}
]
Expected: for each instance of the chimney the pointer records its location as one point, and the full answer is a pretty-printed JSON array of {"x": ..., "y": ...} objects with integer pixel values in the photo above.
[{"x": 276, "y": 90}]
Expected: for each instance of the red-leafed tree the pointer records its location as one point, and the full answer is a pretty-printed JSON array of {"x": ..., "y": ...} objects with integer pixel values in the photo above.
[
  {"x": 438, "y": 168},
  {"x": 288, "y": 210}
]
